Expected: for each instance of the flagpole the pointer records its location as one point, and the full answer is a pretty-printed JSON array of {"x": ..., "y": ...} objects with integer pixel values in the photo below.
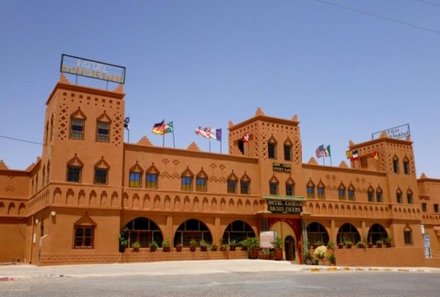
[
  {"x": 209, "y": 140},
  {"x": 221, "y": 144},
  {"x": 174, "y": 141},
  {"x": 163, "y": 140}
]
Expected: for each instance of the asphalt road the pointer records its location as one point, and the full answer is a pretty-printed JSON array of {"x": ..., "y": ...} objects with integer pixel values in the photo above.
[{"x": 257, "y": 284}]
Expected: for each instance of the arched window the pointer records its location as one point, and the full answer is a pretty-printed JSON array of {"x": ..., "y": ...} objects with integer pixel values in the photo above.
[
  {"x": 399, "y": 198},
  {"x": 74, "y": 170},
  {"x": 290, "y": 187},
  {"x": 341, "y": 192},
  {"x": 142, "y": 230},
  {"x": 135, "y": 176},
  {"x": 232, "y": 183},
  {"x": 101, "y": 172},
  {"x": 84, "y": 230},
  {"x": 321, "y": 190},
  {"x": 245, "y": 184},
  {"x": 192, "y": 229},
  {"x": 317, "y": 234},
  {"x": 237, "y": 231},
  {"x": 395, "y": 164},
  {"x": 273, "y": 186},
  {"x": 272, "y": 148},
  {"x": 348, "y": 233},
  {"x": 379, "y": 194},
  {"x": 187, "y": 180},
  {"x": 409, "y": 196},
  {"x": 376, "y": 233},
  {"x": 103, "y": 128},
  {"x": 406, "y": 168},
  {"x": 407, "y": 236},
  {"x": 152, "y": 177},
  {"x": 370, "y": 194},
  {"x": 77, "y": 124},
  {"x": 201, "y": 182},
  {"x": 288, "y": 150},
  {"x": 310, "y": 189},
  {"x": 351, "y": 193}
]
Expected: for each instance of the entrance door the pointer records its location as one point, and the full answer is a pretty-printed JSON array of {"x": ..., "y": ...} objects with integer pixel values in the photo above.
[{"x": 289, "y": 247}]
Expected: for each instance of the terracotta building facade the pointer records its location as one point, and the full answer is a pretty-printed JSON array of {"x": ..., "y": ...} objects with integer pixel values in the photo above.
[{"x": 89, "y": 187}]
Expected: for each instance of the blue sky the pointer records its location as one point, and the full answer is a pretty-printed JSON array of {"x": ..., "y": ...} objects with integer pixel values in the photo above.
[{"x": 204, "y": 63}]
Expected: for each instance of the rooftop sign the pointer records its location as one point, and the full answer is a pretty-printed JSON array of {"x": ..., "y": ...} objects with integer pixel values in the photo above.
[
  {"x": 91, "y": 68},
  {"x": 399, "y": 132}
]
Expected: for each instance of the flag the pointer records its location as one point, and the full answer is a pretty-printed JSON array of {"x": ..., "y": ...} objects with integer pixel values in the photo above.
[
  {"x": 329, "y": 152},
  {"x": 168, "y": 128},
  {"x": 376, "y": 155},
  {"x": 321, "y": 152},
  {"x": 349, "y": 154},
  {"x": 218, "y": 134},
  {"x": 354, "y": 155},
  {"x": 158, "y": 128},
  {"x": 246, "y": 137},
  {"x": 126, "y": 122},
  {"x": 210, "y": 133}
]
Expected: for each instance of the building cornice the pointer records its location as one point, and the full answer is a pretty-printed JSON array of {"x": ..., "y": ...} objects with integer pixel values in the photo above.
[
  {"x": 344, "y": 170},
  {"x": 264, "y": 118},
  {"x": 84, "y": 89},
  {"x": 380, "y": 140}
]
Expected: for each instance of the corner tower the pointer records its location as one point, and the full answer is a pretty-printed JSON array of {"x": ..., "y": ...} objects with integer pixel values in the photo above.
[{"x": 83, "y": 138}]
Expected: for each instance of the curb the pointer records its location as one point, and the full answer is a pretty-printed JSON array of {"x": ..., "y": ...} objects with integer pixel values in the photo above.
[
  {"x": 364, "y": 269},
  {"x": 6, "y": 279}
]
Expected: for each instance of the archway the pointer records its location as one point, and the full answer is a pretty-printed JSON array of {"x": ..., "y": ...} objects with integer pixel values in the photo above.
[
  {"x": 289, "y": 248},
  {"x": 317, "y": 234},
  {"x": 192, "y": 229},
  {"x": 237, "y": 231},
  {"x": 142, "y": 230},
  {"x": 348, "y": 232},
  {"x": 376, "y": 232}
]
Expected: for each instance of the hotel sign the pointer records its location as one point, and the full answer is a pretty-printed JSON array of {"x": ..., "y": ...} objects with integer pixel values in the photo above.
[
  {"x": 281, "y": 167},
  {"x": 399, "y": 132},
  {"x": 94, "y": 69},
  {"x": 286, "y": 206}
]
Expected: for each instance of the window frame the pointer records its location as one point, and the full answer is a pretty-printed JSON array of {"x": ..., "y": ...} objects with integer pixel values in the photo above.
[
  {"x": 135, "y": 183},
  {"x": 97, "y": 177},
  {"x": 287, "y": 150},
  {"x": 71, "y": 167},
  {"x": 74, "y": 124},
  {"x": 102, "y": 137},
  {"x": 83, "y": 237}
]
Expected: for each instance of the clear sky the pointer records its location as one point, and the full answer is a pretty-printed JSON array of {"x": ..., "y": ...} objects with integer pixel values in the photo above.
[{"x": 347, "y": 68}]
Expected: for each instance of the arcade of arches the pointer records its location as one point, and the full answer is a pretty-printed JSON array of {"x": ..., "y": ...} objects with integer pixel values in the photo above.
[{"x": 145, "y": 231}]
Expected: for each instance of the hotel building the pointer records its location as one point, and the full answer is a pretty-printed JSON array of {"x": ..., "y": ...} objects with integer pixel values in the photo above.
[{"x": 89, "y": 186}]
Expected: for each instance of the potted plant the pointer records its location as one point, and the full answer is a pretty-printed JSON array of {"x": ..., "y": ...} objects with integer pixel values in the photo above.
[
  {"x": 203, "y": 245},
  {"x": 233, "y": 245},
  {"x": 330, "y": 245},
  {"x": 361, "y": 245},
  {"x": 166, "y": 247},
  {"x": 179, "y": 247},
  {"x": 214, "y": 247},
  {"x": 348, "y": 244},
  {"x": 388, "y": 242},
  {"x": 340, "y": 245},
  {"x": 224, "y": 247},
  {"x": 136, "y": 246},
  {"x": 252, "y": 245},
  {"x": 123, "y": 243},
  {"x": 192, "y": 245},
  {"x": 278, "y": 248},
  {"x": 379, "y": 243},
  {"x": 331, "y": 258},
  {"x": 153, "y": 246},
  {"x": 320, "y": 254}
]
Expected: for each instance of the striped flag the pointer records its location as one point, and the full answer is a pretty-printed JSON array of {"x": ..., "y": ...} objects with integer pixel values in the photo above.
[
  {"x": 321, "y": 152},
  {"x": 210, "y": 133}
]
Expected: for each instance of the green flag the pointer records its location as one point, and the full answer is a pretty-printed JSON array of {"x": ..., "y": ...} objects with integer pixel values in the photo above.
[{"x": 329, "y": 152}]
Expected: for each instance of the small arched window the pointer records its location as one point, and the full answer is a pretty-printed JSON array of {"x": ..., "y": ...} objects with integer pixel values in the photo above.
[
  {"x": 273, "y": 186},
  {"x": 370, "y": 194},
  {"x": 351, "y": 193},
  {"x": 232, "y": 183},
  {"x": 396, "y": 164},
  {"x": 399, "y": 198},
  {"x": 310, "y": 188},
  {"x": 187, "y": 180},
  {"x": 245, "y": 184},
  {"x": 341, "y": 192},
  {"x": 406, "y": 168},
  {"x": 201, "y": 181},
  {"x": 290, "y": 187},
  {"x": 272, "y": 148},
  {"x": 321, "y": 190},
  {"x": 379, "y": 194}
]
